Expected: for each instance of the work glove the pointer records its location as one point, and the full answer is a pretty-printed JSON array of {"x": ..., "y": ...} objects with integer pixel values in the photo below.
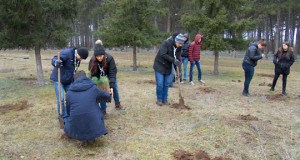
[
  {"x": 177, "y": 62},
  {"x": 58, "y": 63}
]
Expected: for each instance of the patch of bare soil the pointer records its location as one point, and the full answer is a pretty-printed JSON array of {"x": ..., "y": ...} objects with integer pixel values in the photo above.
[
  {"x": 14, "y": 107},
  {"x": 236, "y": 81},
  {"x": 180, "y": 106},
  {"x": 277, "y": 97},
  {"x": 199, "y": 155},
  {"x": 207, "y": 89},
  {"x": 28, "y": 80},
  {"x": 264, "y": 84},
  {"x": 146, "y": 81},
  {"x": 248, "y": 117},
  {"x": 265, "y": 75}
]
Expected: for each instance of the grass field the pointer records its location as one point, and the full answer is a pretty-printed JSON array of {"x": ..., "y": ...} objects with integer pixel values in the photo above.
[{"x": 221, "y": 122}]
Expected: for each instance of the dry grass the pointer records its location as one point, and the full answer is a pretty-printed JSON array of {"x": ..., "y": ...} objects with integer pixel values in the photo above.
[{"x": 221, "y": 122}]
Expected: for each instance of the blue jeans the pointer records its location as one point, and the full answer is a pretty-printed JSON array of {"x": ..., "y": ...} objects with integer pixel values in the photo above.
[
  {"x": 162, "y": 86},
  {"x": 198, "y": 64},
  {"x": 63, "y": 90},
  {"x": 185, "y": 61},
  {"x": 249, "y": 72},
  {"x": 115, "y": 96}
]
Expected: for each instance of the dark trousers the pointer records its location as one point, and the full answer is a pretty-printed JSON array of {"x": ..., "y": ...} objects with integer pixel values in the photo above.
[
  {"x": 249, "y": 72},
  {"x": 284, "y": 79}
]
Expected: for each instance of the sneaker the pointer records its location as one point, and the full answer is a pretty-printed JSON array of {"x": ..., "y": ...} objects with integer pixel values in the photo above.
[
  {"x": 284, "y": 94},
  {"x": 118, "y": 106},
  {"x": 166, "y": 103},
  {"x": 182, "y": 82},
  {"x": 201, "y": 81},
  {"x": 246, "y": 94},
  {"x": 192, "y": 83},
  {"x": 272, "y": 89},
  {"x": 159, "y": 103}
]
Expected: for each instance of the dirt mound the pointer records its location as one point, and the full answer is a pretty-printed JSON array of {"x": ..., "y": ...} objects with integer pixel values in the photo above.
[
  {"x": 264, "y": 84},
  {"x": 236, "y": 81},
  {"x": 14, "y": 107},
  {"x": 276, "y": 97},
  {"x": 248, "y": 117},
  {"x": 199, "y": 155},
  {"x": 207, "y": 89},
  {"x": 178, "y": 106},
  {"x": 146, "y": 81},
  {"x": 265, "y": 75}
]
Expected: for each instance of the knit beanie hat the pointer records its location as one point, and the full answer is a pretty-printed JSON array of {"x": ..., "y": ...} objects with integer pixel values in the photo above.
[
  {"x": 99, "y": 50},
  {"x": 179, "y": 38},
  {"x": 79, "y": 74},
  {"x": 186, "y": 35},
  {"x": 83, "y": 52}
]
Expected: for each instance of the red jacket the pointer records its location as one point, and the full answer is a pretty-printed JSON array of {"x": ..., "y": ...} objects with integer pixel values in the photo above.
[{"x": 195, "y": 49}]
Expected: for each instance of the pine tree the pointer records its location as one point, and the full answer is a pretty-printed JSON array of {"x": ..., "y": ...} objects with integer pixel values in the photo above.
[{"x": 35, "y": 24}]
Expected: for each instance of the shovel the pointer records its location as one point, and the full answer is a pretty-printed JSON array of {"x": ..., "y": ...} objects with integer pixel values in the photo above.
[
  {"x": 60, "y": 118},
  {"x": 181, "y": 100}
]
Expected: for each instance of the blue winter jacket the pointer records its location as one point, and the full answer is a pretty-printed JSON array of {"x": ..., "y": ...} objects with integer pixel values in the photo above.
[
  {"x": 67, "y": 70},
  {"x": 85, "y": 119}
]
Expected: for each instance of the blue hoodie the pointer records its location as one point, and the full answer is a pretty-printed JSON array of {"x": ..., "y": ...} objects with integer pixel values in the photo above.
[{"x": 85, "y": 119}]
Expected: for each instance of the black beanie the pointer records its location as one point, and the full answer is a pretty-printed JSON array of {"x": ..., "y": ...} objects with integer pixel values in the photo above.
[
  {"x": 79, "y": 74},
  {"x": 99, "y": 50},
  {"x": 83, "y": 52}
]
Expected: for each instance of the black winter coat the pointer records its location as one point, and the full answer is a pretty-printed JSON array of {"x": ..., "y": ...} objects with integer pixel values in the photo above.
[
  {"x": 110, "y": 72},
  {"x": 185, "y": 49},
  {"x": 283, "y": 65},
  {"x": 252, "y": 55},
  {"x": 85, "y": 119},
  {"x": 165, "y": 56}
]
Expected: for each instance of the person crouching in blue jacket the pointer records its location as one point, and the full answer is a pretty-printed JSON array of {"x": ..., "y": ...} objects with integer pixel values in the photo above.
[{"x": 85, "y": 121}]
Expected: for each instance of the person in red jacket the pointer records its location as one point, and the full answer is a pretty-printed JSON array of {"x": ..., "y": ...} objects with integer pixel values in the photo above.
[{"x": 194, "y": 58}]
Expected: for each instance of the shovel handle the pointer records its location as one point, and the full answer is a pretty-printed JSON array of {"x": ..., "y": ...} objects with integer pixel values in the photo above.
[{"x": 59, "y": 85}]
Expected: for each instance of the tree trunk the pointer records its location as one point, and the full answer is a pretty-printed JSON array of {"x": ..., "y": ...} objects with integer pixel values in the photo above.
[
  {"x": 134, "y": 67},
  {"x": 297, "y": 43},
  {"x": 267, "y": 39},
  {"x": 169, "y": 23},
  {"x": 39, "y": 68},
  {"x": 259, "y": 32},
  {"x": 216, "y": 63},
  {"x": 287, "y": 26},
  {"x": 293, "y": 28},
  {"x": 271, "y": 36},
  {"x": 277, "y": 30}
]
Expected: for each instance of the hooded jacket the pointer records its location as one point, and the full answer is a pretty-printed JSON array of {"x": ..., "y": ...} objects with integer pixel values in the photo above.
[
  {"x": 195, "y": 49},
  {"x": 284, "y": 62},
  {"x": 252, "y": 55},
  {"x": 85, "y": 119},
  {"x": 67, "y": 56},
  {"x": 165, "y": 56},
  {"x": 110, "y": 72}
]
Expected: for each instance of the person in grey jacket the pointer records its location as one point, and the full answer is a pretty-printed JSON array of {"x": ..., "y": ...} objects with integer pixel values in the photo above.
[
  {"x": 283, "y": 60},
  {"x": 250, "y": 61}
]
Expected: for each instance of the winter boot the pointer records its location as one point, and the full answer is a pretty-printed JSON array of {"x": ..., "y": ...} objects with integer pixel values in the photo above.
[
  {"x": 105, "y": 115},
  {"x": 119, "y": 106}
]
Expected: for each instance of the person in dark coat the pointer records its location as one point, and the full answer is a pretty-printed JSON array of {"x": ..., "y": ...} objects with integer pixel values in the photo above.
[
  {"x": 283, "y": 60},
  {"x": 162, "y": 66},
  {"x": 185, "y": 57},
  {"x": 85, "y": 120},
  {"x": 68, "y": 63},
  {"x": 103, "y": 64},
  {"x": 250, "y": 61}
]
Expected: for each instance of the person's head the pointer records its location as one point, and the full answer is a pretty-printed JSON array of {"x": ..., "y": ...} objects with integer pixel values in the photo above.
[
  {"x": 179, "y": 40},
  {"x": 186, "y": 36},
  {"x": 78, "y": 74},
  {"x": 82, "y": 53},
  {"x": 285, "y": 46},
  {"x": 261, "y": 44},
  {"x": 99, "y": 52}
]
